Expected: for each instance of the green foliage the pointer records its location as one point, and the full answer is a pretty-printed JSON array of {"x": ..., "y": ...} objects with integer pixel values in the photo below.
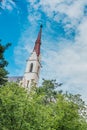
[
  {"x": 3, "y": 64},
  {"x": 22, "y": 110},
  {"x": 12, "y": 106}
]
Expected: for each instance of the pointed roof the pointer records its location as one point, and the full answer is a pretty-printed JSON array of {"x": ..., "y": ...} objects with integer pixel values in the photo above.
[{"x": 38, "y": 42}]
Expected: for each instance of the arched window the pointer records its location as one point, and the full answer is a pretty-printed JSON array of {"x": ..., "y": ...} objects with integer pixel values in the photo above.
[{"x": 31, "y": 67}]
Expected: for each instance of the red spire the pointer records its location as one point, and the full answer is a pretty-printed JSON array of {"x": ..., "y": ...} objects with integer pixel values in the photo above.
[{"x": 38, "y": 42}]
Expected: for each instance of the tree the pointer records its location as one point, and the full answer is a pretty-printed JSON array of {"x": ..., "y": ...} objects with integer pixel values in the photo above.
[
  {"x": 22, "y": 110},
  {"x": 3, "y": 63},
  {"x": 13, "y": 100},
  {"x": 69, "y": 111},
  {"x": 49, "y": 89}
]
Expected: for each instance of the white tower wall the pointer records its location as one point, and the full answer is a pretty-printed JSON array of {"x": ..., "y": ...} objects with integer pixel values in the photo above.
[{"x": 32, "y": 71}]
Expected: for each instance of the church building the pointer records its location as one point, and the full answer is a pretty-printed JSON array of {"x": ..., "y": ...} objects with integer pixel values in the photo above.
[{"x": 33, "y": 65}]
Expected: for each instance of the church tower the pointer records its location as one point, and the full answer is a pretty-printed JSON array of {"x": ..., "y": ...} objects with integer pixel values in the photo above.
[{"x": 33, "y": 66}]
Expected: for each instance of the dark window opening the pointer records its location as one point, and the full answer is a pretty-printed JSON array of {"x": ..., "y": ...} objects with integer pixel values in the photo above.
[{"x": 31, "y": 67}]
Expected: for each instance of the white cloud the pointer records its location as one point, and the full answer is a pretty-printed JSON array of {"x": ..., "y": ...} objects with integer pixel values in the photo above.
[
  {"x": 9, "y": 5},
  {"x": 70, "y": 12},
  {"x": 33, "y": 17},
  {"x": 69, "y": 64}
]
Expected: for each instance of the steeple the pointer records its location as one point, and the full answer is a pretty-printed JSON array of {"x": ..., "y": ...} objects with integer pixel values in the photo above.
[
  {"x": 33, "y": 66},
  {"x": 38, "y": 42}
]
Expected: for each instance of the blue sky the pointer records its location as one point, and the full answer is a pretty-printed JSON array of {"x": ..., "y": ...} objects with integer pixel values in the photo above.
[{"x": 64, "y": 39}]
